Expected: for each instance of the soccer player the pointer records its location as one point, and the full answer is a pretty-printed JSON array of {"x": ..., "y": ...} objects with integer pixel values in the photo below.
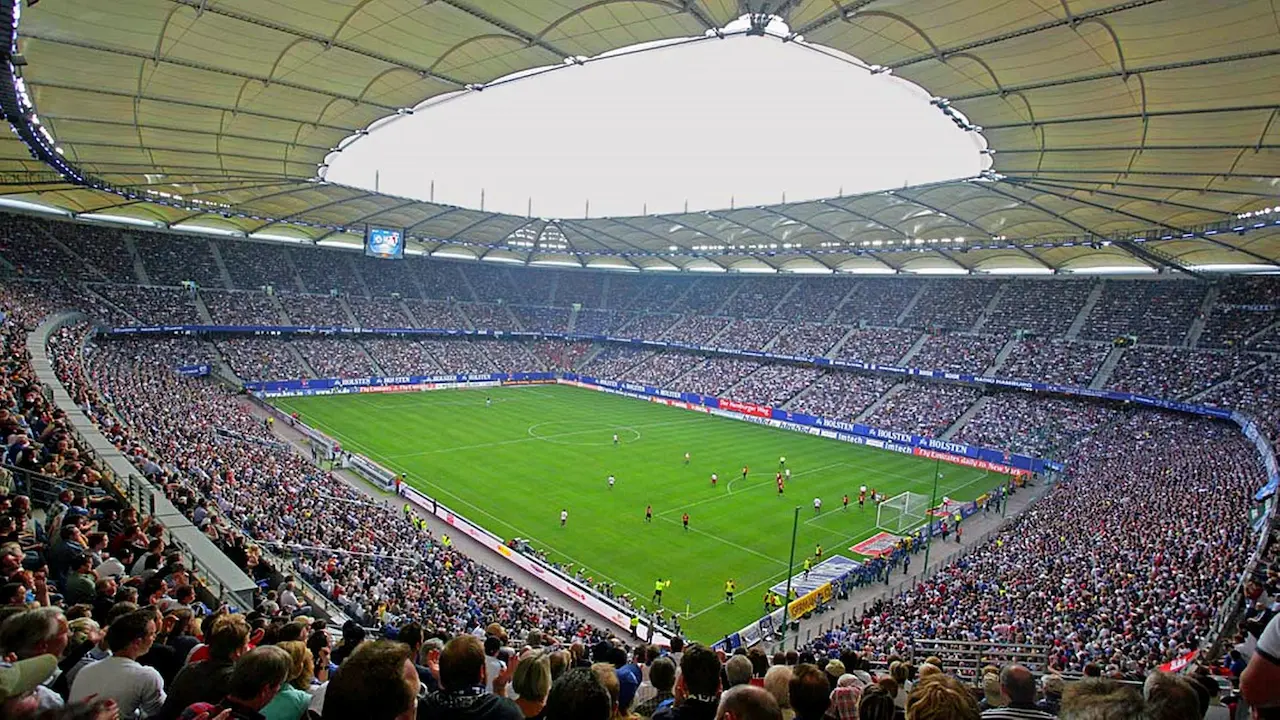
[
  {"x": 488, "y": 402},
  {"x": 714, "y": 478},
  {"x": 648, "y": 513},
  {"x": 846, "y": 502},
  {"x": 729, "y": 587},
  {"x": 564, "y": 516},
  {"x": 615, "y": 438},
  {"x": 782, "y": 461},
  {"x": 781, "y": 486},
  {"x": 685, "y": 520},
  {"x": 686, "y": 458},
  {"x": 862, "y": 497},
  {"x": 817, "y": 552},
  {"x": 744, "y": 472},
  {"x": 612, "y": 480},
  {"x": 787, "y": 473},
  {"x": 817, "y": 505}
]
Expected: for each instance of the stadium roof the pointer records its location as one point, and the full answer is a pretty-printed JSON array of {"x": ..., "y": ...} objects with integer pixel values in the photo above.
[{"x": 1137, "y": 133}]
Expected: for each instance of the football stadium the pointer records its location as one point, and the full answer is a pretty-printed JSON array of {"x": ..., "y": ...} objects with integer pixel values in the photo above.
[{"x": 568, "y": 359}]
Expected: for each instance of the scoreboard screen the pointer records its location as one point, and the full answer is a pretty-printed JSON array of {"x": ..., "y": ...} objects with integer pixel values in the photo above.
[{"x": 384, "y": 242}]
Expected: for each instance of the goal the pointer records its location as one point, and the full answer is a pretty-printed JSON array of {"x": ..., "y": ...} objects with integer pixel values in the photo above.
[{"x": 902, "y": 513}]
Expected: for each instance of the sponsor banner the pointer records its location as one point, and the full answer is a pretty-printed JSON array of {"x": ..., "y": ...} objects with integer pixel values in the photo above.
[
  {"x": 969, "y": 462},
  {"x": 1177, "y": 664},
  {"x": 745, "y": 408},
  {"x": 805, "y": 604},
  {"x": 828, "y": 572},
  {"x": 401, "y": 383},
  {"x": 193, "y": 370},
  {"x": 877, "y": 545}
]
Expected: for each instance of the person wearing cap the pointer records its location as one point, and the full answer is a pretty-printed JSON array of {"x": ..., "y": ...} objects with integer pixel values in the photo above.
[
  {"x": 20, "y": 682},
  {"x": 835, "y": 669},
  {"x": 134, "y": 687}
]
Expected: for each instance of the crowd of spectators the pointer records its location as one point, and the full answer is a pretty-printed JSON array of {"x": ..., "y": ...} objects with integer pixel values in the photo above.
[
  {"x": 102, "y": 248},
  {"x": 152, "y": 305},
  {"x": 490, "y": 283},
  {"x": 484, "y": 316},
  {"x": 923, "y": 408},
  {"x": 715, "y": 375},
  {"x": 813, "y": 300},
  {"x": 808, "y": 339},
  {"x": 334, "y": 357},
  {"x": 842, "y": 395},
  {"x": 756, "y": 298},
  {"x": 29, "y": 248},
  {"x": 455, "y": 356},
  {"x": 885, "y": 346},
  {"x": 438, "y": 314},
  {"x": 1032, "y": 424},
  {"x": 945, "y": 305},
  {"x": 388, "y": 278},
  {"x": 1245, "y": 306},
  {"x": 260, "y": 358},
  {"x": 378, "y": 312},
  {"x": 750, "y": 334},
  {"x": 541, "y": 319},
  {"x": 1256, "y": 393},
  {"x": 1157, "y": 313},
  {"x": 1118, "y": 567},
  {"x": 170, "y": 261},
  {"x": 323, "y": 270},
  {"x": 1175, "y": 373},
  {"x": 876, "y": 301},
  {"x": 254, "y": 266},
  {"x": 705, "y": 295},
  {"x": 320, "y": 310},
  {"x": 584, "y": 288},
  {"x": 699, "y": 330},
  {"x": 1045, "y": 307},
  {"x": 661, "y": 369},
  {"x": 615, "y": 361},
  {"x": 228, "y": 307},
  {"x": 958, "y": 353},
  {"x": 649, "y": 327},
  {"x": 774, "y": 385},
  {"x": 1054, "y": 361},
  {"x": 400, "y": 356},
  {"x": 558, "y": 355},
  {"x": 593, "y": 321}
]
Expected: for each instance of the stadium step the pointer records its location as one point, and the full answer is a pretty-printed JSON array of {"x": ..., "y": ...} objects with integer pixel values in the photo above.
[
  {"x": 346, "y": 310},
  {"x": 203, "y": 310},
  {"x": 1108, "y": 366},
  {"x": 1004, "y": 354},
  {"x": 911, "y": 304},
  {"x": 873, "y": 407},
  {"x": 1234, "y": 378},
  {"x": 297, "y": 277},
  {"x": 223, "y": 273},
  {"x": 914, "y": 349},
  {"x": 139, "y": 269},
  {"x": 965, "y": 416},
  {"x": 53, "y": 239},
  {"x": 1197, "y": 325},
  {"x": 297, "y": 356},
  {"x": 1077, "y": 324}
]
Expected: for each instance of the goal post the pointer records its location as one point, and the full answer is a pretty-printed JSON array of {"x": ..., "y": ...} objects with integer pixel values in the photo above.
[{"x": 902, "y": 513}]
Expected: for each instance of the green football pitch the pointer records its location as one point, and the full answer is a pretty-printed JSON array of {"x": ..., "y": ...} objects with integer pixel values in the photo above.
[{"x": 514, "y": 465}]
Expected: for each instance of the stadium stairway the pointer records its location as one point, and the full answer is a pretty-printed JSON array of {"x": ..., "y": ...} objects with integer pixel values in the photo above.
[
  {"x": 466, "y": 281},
  {"x": 284, "y": 316},
  {"x": 203, "y": 310},
  {"x": 364, "y": 285},
  {"x": 911, "y": 304},
  {"x": 139, "y": 269},
  {"x": 990, "y": 308},
  {"x": 225, "y": 274},
  {"x": 1273, "y": 327},
  {"x": 1003, "y": 355},
  {"x": 295, "y": 275},
  {"x": 89, "y": 289},
  {"x": 1234, "y": 378},
  {"x": 1082, "y": 316},
  {"x": 53, "y": 240},
  {"x": 914, "y": 349},
  {"x": 978, "y": 529},
  {"x": 965, "y": 416},
  {"x": 301, "y": 360},
  {"x": 870, "y": 409},
  {"x": 573, "y": 317},
  {"x": 377, "y": 369},
  {"x": 346, "y": 310},
  {"x": 1108, "y": 366},
  {"x": 1197, "y": 326}
]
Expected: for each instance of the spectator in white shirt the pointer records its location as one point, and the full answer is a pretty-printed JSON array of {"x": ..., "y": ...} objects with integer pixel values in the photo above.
[{"x": 137, "y": 689}]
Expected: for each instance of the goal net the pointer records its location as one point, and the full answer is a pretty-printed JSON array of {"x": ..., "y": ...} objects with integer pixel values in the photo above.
[{"x": 902, "y": 513}]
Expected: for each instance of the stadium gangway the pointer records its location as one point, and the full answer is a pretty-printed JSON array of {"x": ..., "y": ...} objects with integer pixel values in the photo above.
[{"x": 966, "y": 658}]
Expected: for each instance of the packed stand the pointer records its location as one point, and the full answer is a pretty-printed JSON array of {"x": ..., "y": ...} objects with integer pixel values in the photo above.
[
  {"x": 541, "y": 319},
  {"x": 1157, "y": 313},
  {"x": 152, "y": 305},
  {"x": 958, "y": 353},
  {"x": 56, "y": 296},
  {"x": 662, "y": 369},
  {"x": 808, "y": 339},
  {"x": 757, "y": 297},
  {"x": 750, "y": 334},
  {"x": 599, "y": 322},
  {"x": 1134, "y": 584},
  {"x": 649, "y": 327},
  {"x": 586, "y": 288},
  {"x": 560, "y": 355},
  {"x": 923, "y": 408},
  {"x": 490, "y": 283},
  {"x": 335, "y": 358},
  {"x": 842, "y": 395},
  {"x": 1054, "y": 361},
  {"x": 254, "y": 266},
  {"x": 706, "y": 295},
  {"x": 1245, "y": 306},
  {"x": 26, "y": 244},
  {"x": 400, "y": 356},
  {"x": 438, "y": 314},
  {"x": 325, "y": 269},
  {"x": 170, "y": 261},
  {"x": 319, "y": 310},
  {"x": 489, "y": 317},
  {"x": 443, "y": 280},
  {"x": 654, "y": 294},
  {"x": 1256, "y": 393},
  {"x": 876, "y": 301},
  {"x": 102, "y": 247},
  {"x": 614, "y": 362},
  {"x": 699, "y": 330},
  {"x": 1045, "y": 307},
  {"x": 812, "y": 301},
  {"x": 240, "y": 308},
  {"x": 884, "y": 346},
  {"x": 774, "y": 385},
  {"x": 1035, "y": 425},
  {"x": 379, "y": 312},
  {"x": 462, "y": 356},
  {"x": 1176, "y": 374},
  {"x": 385, "y": 278},
  {"x": 260, "y": 358},
  {"x": 715, "y": 375},
  {"x": 951, "y": 304}
]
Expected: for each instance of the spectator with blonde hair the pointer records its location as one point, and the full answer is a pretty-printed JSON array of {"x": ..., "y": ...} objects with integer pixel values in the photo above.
[
  {"x": 532, "y": 682},
  {"x": 748, "y": 702},
  {"x": 295, "y": 694},
  {"x": 941, "y": 697},
  {"x": 777, "y": 681},
  {"x": 1100, "y": 699}
]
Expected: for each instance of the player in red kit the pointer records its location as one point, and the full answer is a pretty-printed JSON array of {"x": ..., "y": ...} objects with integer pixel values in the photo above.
[
  {"x": 685, "y": 520},
  {"x": 846, "y": 501},
  {"x": 744, "y": 472},
  {"x": 648, "y": 513},
  {"x": 781, "y": 486}
]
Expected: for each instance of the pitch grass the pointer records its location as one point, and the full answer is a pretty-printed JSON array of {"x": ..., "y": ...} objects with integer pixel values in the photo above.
[{"x": 511, "y": 467}]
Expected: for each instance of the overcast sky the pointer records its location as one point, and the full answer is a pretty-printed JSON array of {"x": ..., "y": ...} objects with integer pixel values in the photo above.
[{"x": 739, "y": 120}]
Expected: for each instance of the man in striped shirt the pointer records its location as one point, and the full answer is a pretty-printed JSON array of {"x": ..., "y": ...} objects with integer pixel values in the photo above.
[{"x": 1019, "y": 688}]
